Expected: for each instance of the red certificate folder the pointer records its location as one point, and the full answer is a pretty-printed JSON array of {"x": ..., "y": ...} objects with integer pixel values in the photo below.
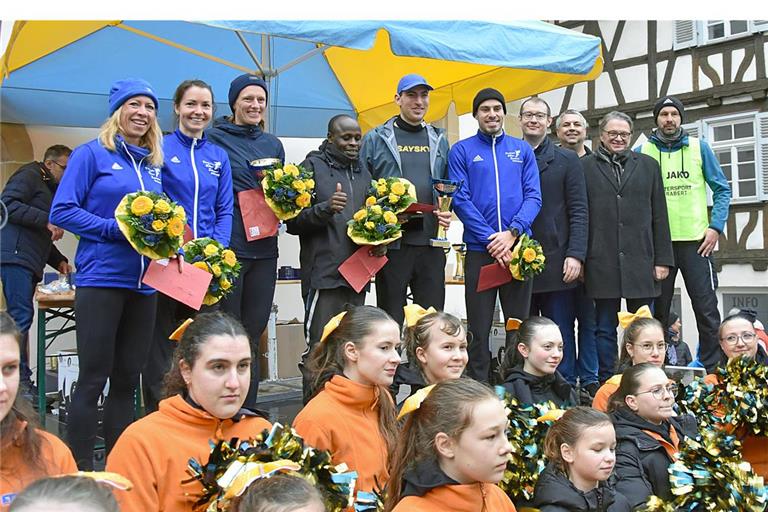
[
  {"x": 359, "y": 268},
  {"x": 188, "y": 286},
  {"x": 419, "y": 208},
  {"x": 493, "y": 276},
  {"x": 259, "y": 220}
]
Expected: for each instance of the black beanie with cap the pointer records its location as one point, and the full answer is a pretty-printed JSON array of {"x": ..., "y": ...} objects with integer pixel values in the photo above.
[{"x": 488, "y": 94}]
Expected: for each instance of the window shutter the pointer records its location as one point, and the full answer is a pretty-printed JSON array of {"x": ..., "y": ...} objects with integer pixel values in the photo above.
[
  {"x": 695, "y": 129},
  {"x": 759, "y": 25},
  {"x": 685, "y": 34},
  {"x": 762, "y": 156}
]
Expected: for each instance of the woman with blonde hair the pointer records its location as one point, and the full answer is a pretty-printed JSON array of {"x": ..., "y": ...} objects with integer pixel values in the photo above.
[{"x": 115, "y": 310}]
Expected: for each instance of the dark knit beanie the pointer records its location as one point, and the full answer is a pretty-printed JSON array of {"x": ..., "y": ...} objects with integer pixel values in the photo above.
[
  {"x": 240, "y": 83},
  {"x": 668, "y": 101},
  {"x": 488, "y": 94}
]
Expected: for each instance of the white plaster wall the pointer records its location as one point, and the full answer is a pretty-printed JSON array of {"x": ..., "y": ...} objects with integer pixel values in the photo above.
[
  {"x": 634, "y": 40},
  {"x": 634, "y": 83},
  {"x": 682, "y": 80}
]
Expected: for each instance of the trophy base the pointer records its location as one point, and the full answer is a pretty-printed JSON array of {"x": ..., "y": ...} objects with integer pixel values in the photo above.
[{"x": 440, "y": 242}]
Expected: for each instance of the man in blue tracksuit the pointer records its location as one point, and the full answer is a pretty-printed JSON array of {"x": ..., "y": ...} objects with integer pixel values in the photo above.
[{"x": 498, "y": 201}]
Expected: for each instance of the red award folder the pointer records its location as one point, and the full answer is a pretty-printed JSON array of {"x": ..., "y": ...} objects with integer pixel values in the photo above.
[
  {"x": 493, "y": 276},
  {"x": 188, "y": 235},
  {"x": 259, "y": 220},
  {"x": 359, "y": 268},
  {"x": 188, "y": 286},
  {"x": 419, "y": 208}
]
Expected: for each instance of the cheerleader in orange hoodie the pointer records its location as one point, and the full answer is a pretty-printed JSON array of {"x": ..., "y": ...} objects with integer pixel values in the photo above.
[
  {"x": 26, "y": 453},
  {"x": 206, "y": 386},
  {"x": 452, "y": 451},
  {"x": 352, "y": 413},
  {"x": 739, "y": 339}
]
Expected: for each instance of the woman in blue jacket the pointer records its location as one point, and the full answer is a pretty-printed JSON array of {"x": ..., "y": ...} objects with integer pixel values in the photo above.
[
  {"x": 197, "y": 176},
  {"x": 251, "y": 150},
  {"x": 115, "y": 311}
]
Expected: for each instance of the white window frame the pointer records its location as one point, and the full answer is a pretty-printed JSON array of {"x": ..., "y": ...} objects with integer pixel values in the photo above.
[
  {"x": 687, "y": 33},
  {"x": 727, "y": 28},
  {"x": 707, "y": 131}
]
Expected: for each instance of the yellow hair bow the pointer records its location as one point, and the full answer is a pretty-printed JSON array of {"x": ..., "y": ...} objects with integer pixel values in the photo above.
[
  {"x": 331, "y": 325},
  {"x": 513, "y": 324},
  {"x": 179, "y": 332},
  {"x": 115, "y": 480},
  {"x": 626, "y": 318},
  {"x": 240, "y": 475},
  {"x": 414, "y": 313},
  {"x": 552, "y": 415},
  {"x": 413, "y": 402}
]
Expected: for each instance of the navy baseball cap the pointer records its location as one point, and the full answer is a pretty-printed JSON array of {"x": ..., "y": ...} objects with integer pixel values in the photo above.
[{"x": 411, "y": 81}]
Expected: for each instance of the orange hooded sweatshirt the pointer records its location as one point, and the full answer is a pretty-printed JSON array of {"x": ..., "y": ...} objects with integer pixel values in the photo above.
[
  {"x": 754, "y": 448},
  {"x": 603, "y": 395},
  {"x": 458, "y": 498},
  {"x": 153, "y": 453},
  {"x": 344, "y": 419},
  {"x": 15, "y": 471}
]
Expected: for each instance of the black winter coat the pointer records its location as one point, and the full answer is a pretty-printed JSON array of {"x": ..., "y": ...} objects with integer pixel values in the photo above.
[
  {"x": 562, "y": 223},
  {"x": 322, "y": 233},
  {"x": 556, "y": 493},
  {"x": 628, "y": 228},
  {"x": 641, "y": 460},
  {"x": 529, "y": 389},
  {"x": 26, "y": 240}
]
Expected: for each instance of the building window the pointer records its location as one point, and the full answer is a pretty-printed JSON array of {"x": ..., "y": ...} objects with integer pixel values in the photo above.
[
  {"x": 723, "y": 29},
  {"x": 734, "y": 144}
]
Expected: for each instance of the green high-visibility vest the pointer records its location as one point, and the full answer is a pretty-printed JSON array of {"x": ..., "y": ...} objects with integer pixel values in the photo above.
[{"x": 684, "y": 188}]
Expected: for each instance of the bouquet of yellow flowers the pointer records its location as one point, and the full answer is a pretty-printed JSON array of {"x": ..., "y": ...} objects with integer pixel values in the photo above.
[
  {"x": 374, "y": 224},
  {"x": 152, "y": 223},
  {"x": 394, "y": 193},
  {"x": 288, "y": 190},
  {"x": 527, "y": 258},
  {"x": 209, "y": 255}
]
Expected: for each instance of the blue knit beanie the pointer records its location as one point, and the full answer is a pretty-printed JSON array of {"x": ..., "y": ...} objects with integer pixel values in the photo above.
[
  {"x": 123, "y": 90},
  {"x": 240, "y": 83}
]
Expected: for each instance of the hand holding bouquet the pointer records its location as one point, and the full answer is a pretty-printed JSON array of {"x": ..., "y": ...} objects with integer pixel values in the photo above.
[
  {"x": 527, "y": 259},
  {"x": 288, "y": 190},
  {"x": 152, "y": 223},
  {"x": 209, "y": 255},
  {"x": 394, "y": 193}
]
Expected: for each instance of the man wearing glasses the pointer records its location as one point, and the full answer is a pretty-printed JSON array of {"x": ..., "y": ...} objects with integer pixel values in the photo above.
[
  {"x": 630, "y": 250},
  {"x": 26, "y": 242},
  {"x": 688, "y": 167}
]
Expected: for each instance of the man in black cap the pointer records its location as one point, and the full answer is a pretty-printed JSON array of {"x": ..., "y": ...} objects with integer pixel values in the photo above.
[
  {"x": 688, "y": 166},
  {"x": 407, "y": 147},
  {"x": 498, "y": 201}
]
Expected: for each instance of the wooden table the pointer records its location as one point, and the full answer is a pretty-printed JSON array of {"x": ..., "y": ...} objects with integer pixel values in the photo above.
[{"x": 50, "y": 306}]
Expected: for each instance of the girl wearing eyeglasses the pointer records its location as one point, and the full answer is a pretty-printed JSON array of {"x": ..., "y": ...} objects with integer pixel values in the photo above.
[
  {"x": 739, "y": 339},
  {"x": 648, "y": 434},
  {"x": 643, "y": 342}
]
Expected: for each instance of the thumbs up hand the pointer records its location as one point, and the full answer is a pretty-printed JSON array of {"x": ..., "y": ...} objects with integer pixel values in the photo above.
[{"x": 338, "y": 199}]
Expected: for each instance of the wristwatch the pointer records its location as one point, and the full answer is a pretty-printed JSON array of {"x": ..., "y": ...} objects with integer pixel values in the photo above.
[{"x": 514, "y": 231}]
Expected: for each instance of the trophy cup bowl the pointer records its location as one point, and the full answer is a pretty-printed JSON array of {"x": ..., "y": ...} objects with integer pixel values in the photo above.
[
  {"x": 461, "y": 254},
  {"x": 445, "y": 190}
]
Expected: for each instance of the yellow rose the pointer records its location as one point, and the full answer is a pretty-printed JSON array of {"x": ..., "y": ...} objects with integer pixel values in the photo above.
[
  {"x": 175, "y": 227},
  {"x": 158, "y": 225},
  {"x": 310, "y": 183},
  {"x": 162, "y": 207},
  {"x": 394, "y": 198},
  {"x": 381, "y": 181},
  {"x": 370, "y": 225},
  {"x": 210, "y": 250},
  {"x": 229, "y": 257},
  {"x": 398, "y": 188},
  {"x": 303, "y": 200},
  {"x": 360, "y": 215},
  {"x": 142, "y": 205},
  {"x": 370, "y": 201},
  {"x": 278, "y": 174},
  {"x": 180, "y": 213},
  {"x": 381, "y": 190},
  {"x": 291, "y": 170},
  {"x": 201, "y": 265},
  {"x": 298, "y": 186},
  {"x": 535, "y": 265},
  {"x": 529, "y": 255},
  {"x": 390, "y": 218},
  {"x": 216, "y": 270},
  {"x": 225, "y": 284},
  {"x": 376, "y": 209}
]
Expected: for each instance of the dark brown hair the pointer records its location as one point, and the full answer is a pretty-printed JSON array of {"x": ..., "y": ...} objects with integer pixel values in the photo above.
[
  {"x": 568, "y": 429},
  {"x": 525, "y": 335},
  {"x": 204, "y": 326},
  {"x": 70, "y": 489},
  {"x": 630, "y": 384},
  {"x": 327, "y": 359},
  {"x": 182, "y": 89},
  {"x": 21, "y": 413},
  {"x": 448, "y": 408},
  {"x": 631, "y": 333},
  {"x": 55, "y": 151},
  {"x": 736, "y": 316},
  {"x": 418, "y": 335},
  {"x": 279, "y": 493}
]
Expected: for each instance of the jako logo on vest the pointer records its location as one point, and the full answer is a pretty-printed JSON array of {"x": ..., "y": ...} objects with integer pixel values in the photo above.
[
  {"x": 514, "y": 156},
  {"x": 678, "y": 175}
]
